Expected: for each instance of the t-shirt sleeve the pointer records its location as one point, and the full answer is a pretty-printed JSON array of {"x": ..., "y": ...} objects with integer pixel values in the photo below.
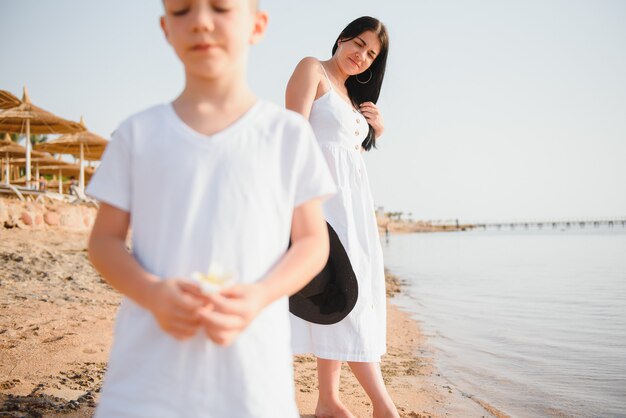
[
  {"x": 111, "y": 183},
  {"x": 311, "y": 176}
]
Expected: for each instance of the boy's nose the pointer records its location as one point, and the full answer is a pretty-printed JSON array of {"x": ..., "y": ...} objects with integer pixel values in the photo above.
[{"x": 203, "y": 18}]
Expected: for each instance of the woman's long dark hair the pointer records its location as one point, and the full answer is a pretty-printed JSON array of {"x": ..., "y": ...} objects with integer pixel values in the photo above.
[{"x": 369, "y": 91}]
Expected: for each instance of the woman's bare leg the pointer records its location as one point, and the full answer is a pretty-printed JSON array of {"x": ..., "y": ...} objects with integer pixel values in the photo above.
[
  {"x": 328, "y": 403},
  {"x": 371, "y": 378}
]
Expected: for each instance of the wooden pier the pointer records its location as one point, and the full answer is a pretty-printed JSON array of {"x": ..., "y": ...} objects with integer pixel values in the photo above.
[{"x": 552, "y": 224}]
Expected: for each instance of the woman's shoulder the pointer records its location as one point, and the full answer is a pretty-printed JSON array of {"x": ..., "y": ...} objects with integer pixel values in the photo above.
[
  {"x": 309, "y": 65},
  {"x": 309, "y": 61},
  {"x": 308, "y": 72}
]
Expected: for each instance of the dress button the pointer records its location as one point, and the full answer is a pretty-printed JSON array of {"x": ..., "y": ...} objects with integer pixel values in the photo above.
[
  {"x": 356, "y": 133},
  {"x": 358, "y": 121},
  {"x": 356, "y": 147}
]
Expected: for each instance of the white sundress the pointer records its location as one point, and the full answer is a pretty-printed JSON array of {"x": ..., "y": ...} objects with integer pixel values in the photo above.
[{"x": 361, "y": 336}]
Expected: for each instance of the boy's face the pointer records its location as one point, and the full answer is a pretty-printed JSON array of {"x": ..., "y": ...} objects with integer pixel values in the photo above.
[{"x": 211, "y": 37}]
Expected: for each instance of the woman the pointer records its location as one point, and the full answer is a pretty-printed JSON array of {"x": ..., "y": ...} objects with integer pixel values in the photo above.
[{"x": 338, "y": 97}]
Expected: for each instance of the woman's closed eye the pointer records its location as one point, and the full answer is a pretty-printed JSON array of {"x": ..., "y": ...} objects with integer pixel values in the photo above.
[{"x": 362, "y": 45}]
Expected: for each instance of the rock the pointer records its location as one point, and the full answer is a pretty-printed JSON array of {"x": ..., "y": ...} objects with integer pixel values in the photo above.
[
  {"x": 51, "y": 218},
  {"x": 26, "y": 218}
]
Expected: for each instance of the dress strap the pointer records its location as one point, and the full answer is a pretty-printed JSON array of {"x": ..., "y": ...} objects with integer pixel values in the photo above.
[{"x": 330, "y": 85}]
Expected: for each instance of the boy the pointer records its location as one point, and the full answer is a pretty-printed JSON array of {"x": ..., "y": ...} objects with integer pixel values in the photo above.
[{"x": 215, "y": 177}]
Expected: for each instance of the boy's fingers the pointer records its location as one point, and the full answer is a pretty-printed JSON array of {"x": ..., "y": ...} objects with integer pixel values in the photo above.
[
  {"x": 188, "y": 303},
  {"x": 181, "y": 335},
  {"x": 225, "y": 305},
  {"x": 180, "y": 330},
  {"x": 185, "y": 329},
  {"x": 221, "y": 321},
  {"x": 188, "y": 318},
  {"x": 191, "y": 288},
  {"x": 235, "y": 291},
  {"x": 223, "y": 338}
]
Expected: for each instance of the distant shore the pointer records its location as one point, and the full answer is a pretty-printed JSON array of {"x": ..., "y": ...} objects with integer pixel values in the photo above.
[{"x": 405, "y": 226}]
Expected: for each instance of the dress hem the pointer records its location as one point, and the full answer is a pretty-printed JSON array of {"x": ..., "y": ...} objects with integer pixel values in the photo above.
[{"x": 356, "y": 357}]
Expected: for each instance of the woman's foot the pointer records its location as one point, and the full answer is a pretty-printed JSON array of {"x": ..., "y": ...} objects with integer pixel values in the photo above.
[
  {"x": 334, "y": 410},
  {"x": 388, "y": 411}
]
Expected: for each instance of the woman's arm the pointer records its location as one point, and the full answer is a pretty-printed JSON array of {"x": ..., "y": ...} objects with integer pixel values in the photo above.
[{"x": 302, "y": 86}]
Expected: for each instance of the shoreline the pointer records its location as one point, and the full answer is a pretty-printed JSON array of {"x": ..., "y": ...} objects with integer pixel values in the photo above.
[
  {"x": 438, "y": 397},
  {"x": 56, "y": 325}
]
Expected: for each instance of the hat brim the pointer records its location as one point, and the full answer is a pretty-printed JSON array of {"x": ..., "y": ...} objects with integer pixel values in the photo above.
[{"x": 332, "y": 294}]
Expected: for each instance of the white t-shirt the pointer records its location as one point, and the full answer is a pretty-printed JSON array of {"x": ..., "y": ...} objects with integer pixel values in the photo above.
[{"x": 196, "y": 199}]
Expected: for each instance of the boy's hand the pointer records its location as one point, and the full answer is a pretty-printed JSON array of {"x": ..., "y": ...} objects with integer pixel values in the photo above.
[
  {"x": 176, "y": 304},
  {"x": 231, "y": 311}
]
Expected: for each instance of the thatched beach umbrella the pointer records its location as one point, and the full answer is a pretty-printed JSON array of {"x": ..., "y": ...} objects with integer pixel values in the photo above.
[
  {"x": 41, "y": 159},
  {"x": 84, "y": 145},
  {"x": 30, "y": 119},
  {"x": 67, "y": 170},
  {"x": 9, "y": 151},
  {"x": 6, "y": 140},
  {"x": 7, "y": 100}
]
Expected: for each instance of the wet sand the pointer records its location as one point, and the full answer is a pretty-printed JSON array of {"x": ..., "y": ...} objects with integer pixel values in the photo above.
[{"x": 56, "y": 321}]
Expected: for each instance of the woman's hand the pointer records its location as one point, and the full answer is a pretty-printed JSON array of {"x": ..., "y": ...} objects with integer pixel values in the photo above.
[{"x": 373, "y": 116}]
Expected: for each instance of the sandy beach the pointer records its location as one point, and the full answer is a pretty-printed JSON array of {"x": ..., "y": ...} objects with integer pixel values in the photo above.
[{"x": 56, "y": 320}]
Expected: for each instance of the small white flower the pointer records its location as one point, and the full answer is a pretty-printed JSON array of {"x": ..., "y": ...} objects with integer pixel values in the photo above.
[{"x": 213, "y": 280}]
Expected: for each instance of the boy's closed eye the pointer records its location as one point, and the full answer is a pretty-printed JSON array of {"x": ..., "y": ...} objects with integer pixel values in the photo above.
[
  {"x": 180, "y": 12},
  {"x": 222, "y": 6},
  {"x": 182, "y": 7},
  {"x": 177, "y": 7}
]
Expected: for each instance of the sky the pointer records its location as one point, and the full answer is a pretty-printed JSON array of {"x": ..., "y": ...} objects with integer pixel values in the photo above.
[{"x": 493, "y": 109}]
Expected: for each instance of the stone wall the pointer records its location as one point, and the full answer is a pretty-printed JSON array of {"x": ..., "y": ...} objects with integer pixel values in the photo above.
[{"x": 30, "y": 215}]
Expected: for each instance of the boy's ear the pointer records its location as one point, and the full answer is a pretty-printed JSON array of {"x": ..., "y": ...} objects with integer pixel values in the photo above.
[
  {"x": 260, "y": 24},
  {"x": 163, "y": 26}
]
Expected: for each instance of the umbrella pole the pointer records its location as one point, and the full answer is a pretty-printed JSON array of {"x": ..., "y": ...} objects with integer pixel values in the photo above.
[
  {"x": 7, "y": 175},
  {"x": 37, "y": 174},
  {"x": 60, "y": 181},
  {"x": 27, "y": 153},
  {"x": 81, "y": 179}
]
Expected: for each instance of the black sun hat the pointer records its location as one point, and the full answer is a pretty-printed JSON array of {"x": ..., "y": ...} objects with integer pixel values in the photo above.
[{"x": 332, "y": 294}]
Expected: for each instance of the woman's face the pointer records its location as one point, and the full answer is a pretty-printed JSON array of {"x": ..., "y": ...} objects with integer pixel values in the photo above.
[{"x": 355, "y": 55}]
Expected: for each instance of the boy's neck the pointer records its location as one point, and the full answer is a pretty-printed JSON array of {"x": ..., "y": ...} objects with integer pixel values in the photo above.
[
  {"x": 219, "y": 92},
  {"x": 209, "y": 106}
]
